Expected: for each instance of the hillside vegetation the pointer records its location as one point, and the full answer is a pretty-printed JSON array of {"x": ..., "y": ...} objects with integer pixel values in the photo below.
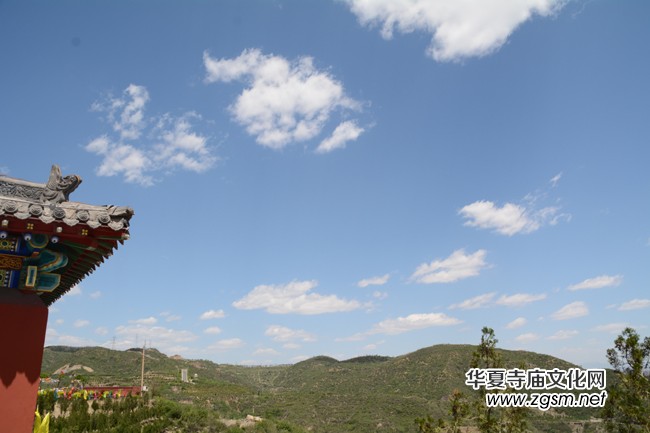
[{"x": 322, "y": 394}]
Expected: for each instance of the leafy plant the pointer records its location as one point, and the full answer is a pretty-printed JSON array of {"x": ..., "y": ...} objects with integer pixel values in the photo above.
[{"x": 627, "y": 408}]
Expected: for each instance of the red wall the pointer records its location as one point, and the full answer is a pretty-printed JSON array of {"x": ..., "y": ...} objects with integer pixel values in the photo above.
[{"x": 23, "y": 321}]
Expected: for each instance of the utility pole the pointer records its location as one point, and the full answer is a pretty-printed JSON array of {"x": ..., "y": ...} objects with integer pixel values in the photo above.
[{"x": 142, "y": 372}]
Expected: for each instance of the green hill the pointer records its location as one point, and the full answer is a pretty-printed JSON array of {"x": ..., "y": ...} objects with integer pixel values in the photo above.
[{"x": 365, "y": 394}]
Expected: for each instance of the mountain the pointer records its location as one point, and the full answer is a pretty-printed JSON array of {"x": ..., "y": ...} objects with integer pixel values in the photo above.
[{"x": 365, "y": 394}]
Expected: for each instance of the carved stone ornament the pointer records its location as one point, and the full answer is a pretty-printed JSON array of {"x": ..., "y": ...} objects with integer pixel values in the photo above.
[
  {"x": 50, "y": 201},
  {"x": 58, "y": 188}
]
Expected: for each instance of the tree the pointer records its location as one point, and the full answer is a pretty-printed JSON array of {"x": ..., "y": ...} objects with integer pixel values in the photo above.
[
  {"x": 627, "y": 408},
  {"x": 458, "y": 410},
  {"x": 490, "y": 419},
  {"x": 486, "y": 356}
]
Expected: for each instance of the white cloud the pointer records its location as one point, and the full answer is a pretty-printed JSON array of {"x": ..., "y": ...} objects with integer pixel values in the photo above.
[
  {"x": 455, "y": 267},
  {"x": 293, "y": 298},
  {"x": 95, "y": 295},
  {"x": 59, "y": 321},
  {"x": 162, "y": 338},
  {"x": 379, "y": 295},
  {"x": 74, "y": 290},
  {"x": 121, "y": 158},
  {"x": 346, "y": 131},
  {"x": 479, "y": 301},
  {"x": 356, "y": 337},
  {"x": 102, "y": 330},
  {"x": 517, "y": 323},
  {"x": 634, "y": 304},
  {"x": 81, "y": 323},
  {"x": 169, "y": 141},
  {"x": 509, "y": 219},
  {"x": 284, "y": 334},
  {"x": 373, "y": 346},
  {"x": 374, "y": 281},
  {"x": 519, "y": 299},
  {"x": 291, "y": 346},
  {"x": 413, "y": 322},
  {"x": 284, "y": 102},
  {"x": 458, "y": 29},
  {"x": 212, "y": 314},
  {"x": 52, "y": 337},
  {"x": 299, "y": 358},
  {"x": 127, "y": 113},
  {"x": 73, "y": 340},
  {"x": 555, "y": 179},
  {"x": 571, "y": 311},
  {"x": 227, "y": 344},
  {"x": 611, "y": 328},
  {"x": 212, "y": 330},
  {"x": 527, "y": 337},
  {"x": 146, "y": 321},
  {"x": 563, "y": 335},
  {"x": 266, "y": 351},
  {"x": 598, "y": 282}
]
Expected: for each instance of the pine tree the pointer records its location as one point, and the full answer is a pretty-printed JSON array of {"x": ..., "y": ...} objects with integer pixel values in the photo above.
[{"x": 627, "y": 408}]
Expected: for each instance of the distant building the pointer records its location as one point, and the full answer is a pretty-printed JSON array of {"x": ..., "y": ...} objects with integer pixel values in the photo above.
[{"x": 184, "y": 376}]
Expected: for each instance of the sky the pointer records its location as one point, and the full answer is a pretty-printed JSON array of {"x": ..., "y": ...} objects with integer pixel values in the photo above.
[{"x": 344, "y": 177}]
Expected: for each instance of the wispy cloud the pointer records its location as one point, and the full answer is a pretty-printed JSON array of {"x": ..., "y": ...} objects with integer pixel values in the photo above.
[
  {"x": 212, "y": 314},
  {"x": 227, "y": 344},
  {"x": 374, "y": 281},
  {"x": 458, "y": 30},
  {"x": 611, "y": 328},
  {"x": 527, "y": 337},
  {"x": 479, "y": 301},
  {"x": 285, "y": 101},
  {"x": 598, "y": 282},
  {"x": 379, "y": 295},
  {"x": 212, "y": 330},
  {"x": 293, "y": 297},
  {"x": 509, "y": 219},
  {"x": 563, "y": 335},
  {"x": 519, "y": 299},
  {"x": 455, "y": 267},
  {"x": 284, "y": 334},
  {"x": 165, "y": 339},
  {"x": 571, "y": 311},
  {"x": 413, "y": 322},
  {"x": 555, "y": 180},
  {"x": 266, "y": 352},
  {"x": 634, "y": 304},
  {"x": 81, "y": 323},
  {"x": 146, "y": 321},
  {"x": 517, "y": 323},
  {"x": 140, "y": 147},
  {"x": 74, "y": 290},
  {"x": 344, "y": 133}
]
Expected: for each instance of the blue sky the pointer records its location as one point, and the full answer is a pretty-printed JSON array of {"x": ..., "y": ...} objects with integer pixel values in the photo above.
[{"x": 344, "y": 177}]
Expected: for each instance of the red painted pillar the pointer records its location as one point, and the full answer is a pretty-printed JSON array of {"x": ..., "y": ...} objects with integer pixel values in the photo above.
[{"x": 23, "y": 320}]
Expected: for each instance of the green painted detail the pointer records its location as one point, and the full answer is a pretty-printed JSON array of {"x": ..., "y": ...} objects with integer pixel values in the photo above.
[
  {"x": 50, "y": 260},
  {"x": 46, "y": 282},
  {"x": 38, "y": 241},
  {"x": 32, "y": 273}
]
